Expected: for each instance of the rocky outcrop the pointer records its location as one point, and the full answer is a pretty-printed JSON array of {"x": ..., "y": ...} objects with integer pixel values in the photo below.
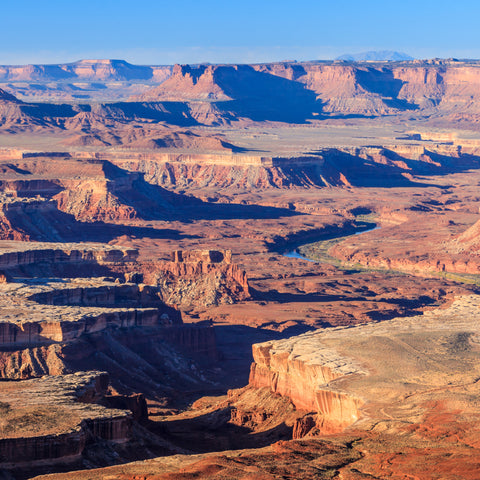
[
  {"x": 189, "y": 83},
  {"x": 343, "y": 376},
  {"x": 354, "y": 88},
  {"x": 154, "y": 360},
  {"x": 388, "y": 165},
  {"x": 197, "y": 256},
  {"x": 30, "y": 218},
  {"x": 54, "y": 327},
  {"x": 7, "y": 97},
  {"x": 303, "y": 426},
  {"x": 228, "y": 171},
  {"x": 382, "y": 89},
  {"x": 114, "y": 186},
  {"x": 48, "y": 331},
  {"x": 468, "y": 241},
  {"x": 102, "y": 308},
  {"x": 415, "y": 264},
  {"x": 291, "y": 93},
  {"x": 32, "y": 362},
  {"x": 88, "y": 190},
  {"x": 201, "y": 277},
  {"x": 135, "y": 403},
  {"x": 67, "y": 422}
]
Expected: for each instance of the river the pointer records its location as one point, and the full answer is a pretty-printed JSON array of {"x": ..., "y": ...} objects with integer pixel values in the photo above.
[{"x": 364, "y": 228}]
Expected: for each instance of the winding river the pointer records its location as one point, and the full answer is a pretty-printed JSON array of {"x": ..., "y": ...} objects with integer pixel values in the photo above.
[{"x": 362, "y": 227}]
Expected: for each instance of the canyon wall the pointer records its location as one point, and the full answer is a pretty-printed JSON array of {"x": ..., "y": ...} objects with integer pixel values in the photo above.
[
  {"x": 79, "y": 424},
  {"x": 119, "y": 185},
  {"x": 455, "y": 259},
  {"x": 34, "y": 254},
  {"x": 46, "y": 332},
  {"x": 355, "y": 88},
  {"x": 304, "y": 378}
]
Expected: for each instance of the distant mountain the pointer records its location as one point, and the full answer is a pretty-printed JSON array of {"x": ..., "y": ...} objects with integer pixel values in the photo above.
[
  {"x": 85, "y": 70},
  {"x": 376, "y": 56}
]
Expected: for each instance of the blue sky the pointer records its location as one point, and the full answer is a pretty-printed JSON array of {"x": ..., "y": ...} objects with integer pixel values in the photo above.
[{"x": 191, "y": 31}]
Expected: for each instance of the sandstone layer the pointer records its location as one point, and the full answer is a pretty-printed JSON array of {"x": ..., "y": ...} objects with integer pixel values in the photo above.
[
  {"x": 205, "y": 277},
  {"x": 336, "y": 88},
  {"x": 52, "y": 326},
  {"x": 50, "y": 420},
  {"x": 330, "y": 372}
]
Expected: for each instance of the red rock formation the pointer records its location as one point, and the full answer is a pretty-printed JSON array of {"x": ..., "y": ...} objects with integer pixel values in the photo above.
[
  {"x": 347, "y": 89},
  {"x": 198, "y": 277},
  {"x": 305, "y": 383},
  {"x": 188, "y": 83},
  {"x": 468, "y": 241},
  {"x": 227, "y": 171},
  {"x": 70, "y": 253},
  {"x": 364, "y": 88},
  {"x": 303, "y": 426},
  {"x": 197, "y": 256},
  {"x": 20, "y": 449},
  {"x": 135, "y": 403},
  {"x": 46, "y": 332}
]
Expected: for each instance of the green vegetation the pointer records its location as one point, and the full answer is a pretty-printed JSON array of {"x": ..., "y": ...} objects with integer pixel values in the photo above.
[
  {"x": 318, "y": 251},
  {"x": 467, "y": 278}
]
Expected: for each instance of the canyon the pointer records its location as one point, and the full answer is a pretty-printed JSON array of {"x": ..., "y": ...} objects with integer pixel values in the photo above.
[{"x": 239, "y": 271}]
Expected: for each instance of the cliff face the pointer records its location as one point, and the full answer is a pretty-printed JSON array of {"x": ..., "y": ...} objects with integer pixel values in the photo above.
[
  {"x": 434, "y": 262},
  {"x": 53, "y": 327},
  {"x": 303, "y": 378},
  {"x": 86, "y": 70},
  {"x": 343, "y": 89},
  {"x": 346, "y": 375},
  {"x": 87, "y": 189},
  {"x": 224, "y": 94},
  {"x": 71, "y": 418},
  {"x": 17, "y": 255},
  {"x": 391, "y": 165},
  {"x": 113, "y": 194},
  {"x": 189, "y": 84},
  {"x": 364, "y": 89},
  {"x": 237, "y": 172},
  {"x": 11, "y": 114},
  {"x": 360, "y": 88}
]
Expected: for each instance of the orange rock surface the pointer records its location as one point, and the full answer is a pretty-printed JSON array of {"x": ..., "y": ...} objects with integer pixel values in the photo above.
[{"x": 364, "y": 359}]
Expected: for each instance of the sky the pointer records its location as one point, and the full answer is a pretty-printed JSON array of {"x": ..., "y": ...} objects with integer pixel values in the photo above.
[{"x": 233, "y": 31}]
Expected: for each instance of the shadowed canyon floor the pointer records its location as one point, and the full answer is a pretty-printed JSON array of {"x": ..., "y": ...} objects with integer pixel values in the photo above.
[{"x": 152, "y": 325}]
